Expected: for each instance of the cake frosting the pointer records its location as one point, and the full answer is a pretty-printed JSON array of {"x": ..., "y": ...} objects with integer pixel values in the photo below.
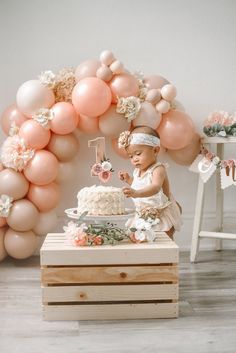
[{"x": 101, "y": 200}]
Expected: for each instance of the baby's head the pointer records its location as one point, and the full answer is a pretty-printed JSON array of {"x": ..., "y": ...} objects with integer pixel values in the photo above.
[{"x": 142, "y": 144}]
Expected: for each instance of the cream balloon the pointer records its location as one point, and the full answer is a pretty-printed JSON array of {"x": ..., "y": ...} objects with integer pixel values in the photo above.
[
  {"x": 46, "y": 223},
  {"x": 153, "y": 96},
  {"x": 32, "y": 96},
  {"x": 168, "y": 92},
  {"x": 147, "y": 116},
  {"x": 67, "y": 171},
  {"x": 11, "y": 115},
  {"x": 112, "y": 123},
  {"x": 64, "y": 147},
  {"x": 23, "y": 215},
  {"x": 3, "y": 252},
  {"x": 107, "y": 57},
  {"x": 13, "y": 184},
  {"x": 20, "y": 245},
  {"x": 87, "y": 68},
  {"x": 104, "y": 73},
  {"x": 117, "y": 67},
  {"x": 163, "y": 106}
]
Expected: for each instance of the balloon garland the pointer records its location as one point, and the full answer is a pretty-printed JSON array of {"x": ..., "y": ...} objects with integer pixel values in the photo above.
[{"x": 99, "y": 96}]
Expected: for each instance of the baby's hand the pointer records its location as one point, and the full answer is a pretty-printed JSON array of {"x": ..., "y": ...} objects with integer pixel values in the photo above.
[
  {"x": 128, "y": 192},
  {"x": 124, "y": 176}
]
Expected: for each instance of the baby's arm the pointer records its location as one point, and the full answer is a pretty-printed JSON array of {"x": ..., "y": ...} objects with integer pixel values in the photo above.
[
  {"x": 124, "y": 176},
  {"x": 158, "y": 177}
]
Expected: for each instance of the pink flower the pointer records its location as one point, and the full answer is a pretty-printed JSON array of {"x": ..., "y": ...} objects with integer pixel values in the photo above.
[
  {"x": 230, "y": 163},
  {"x": 104, "y": 176},
  {"x": 97, "y": 240},
  {"x": 209, "y": 155},
  {"x": 81, "y": 239},
  {"x": 133, "y": 238},
  {"x": 223, "y": 164},
  {"x": 96, "y": 169}
]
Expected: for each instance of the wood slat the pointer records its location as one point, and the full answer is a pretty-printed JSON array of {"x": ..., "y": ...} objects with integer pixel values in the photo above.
[
  {"x": 102, "y": 274},
  {"x": 110, "y": 311},
  {"x": 109, "y": 293}
]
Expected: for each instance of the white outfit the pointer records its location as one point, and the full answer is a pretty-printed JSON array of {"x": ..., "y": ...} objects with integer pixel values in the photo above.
[{"x": 170, "y": 213}]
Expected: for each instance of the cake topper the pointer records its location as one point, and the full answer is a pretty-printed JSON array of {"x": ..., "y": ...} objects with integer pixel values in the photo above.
[{"x": 102, "y": 168}]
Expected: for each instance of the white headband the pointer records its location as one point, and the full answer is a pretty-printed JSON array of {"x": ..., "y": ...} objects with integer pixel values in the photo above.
[
  {"x": 126, "y": 138},
  {"x": 140, "y": 138}
]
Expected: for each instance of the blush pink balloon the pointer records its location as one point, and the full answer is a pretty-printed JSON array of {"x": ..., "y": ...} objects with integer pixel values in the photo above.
[
  {"x": 67, "y": 171},
  {"x": 176, "y": 130},
  {"x": 38, "y": 194},
  {"x": 1, "y": 167},
  {"x": 112, "y": 123},
  {"x": 123, "y": 85},
  {"x": 88, "y": 125},
  {"x": 186, "y": 155},
  {"x": 32, "y": 96},
  {"x": 11, "y": 115},
  {"x": 3, "y": 252},
  {"x": 91, "y": 97},
  {"x": 87, "y": 68},
  {"x": 147, "y": 116},
  {"x": 35, "y": 135},
  {"x": 64, "y": 147},
  {"x": 13, "y": 184},
  {"x": 46, "y": 223},
  {"x": 23, "y": 215},
  {"x": 20, "y": 245},
  {"x": 155, "y": 81},
  {"x": 120, "y": 151},
  {"x": 3, "y": 221},
  {"x": 42, "y": 169},
  {"x": 65, "y": 118}
]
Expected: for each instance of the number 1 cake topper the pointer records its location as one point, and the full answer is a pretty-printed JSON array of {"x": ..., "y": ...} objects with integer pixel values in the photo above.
[{"x": 102, "y": 168}]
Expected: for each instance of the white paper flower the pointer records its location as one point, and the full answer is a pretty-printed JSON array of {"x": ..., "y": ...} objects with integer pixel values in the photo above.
[
  {"x": 47, "y": 78},
  {"x": 216, "y": 160},
  {"x": 129, "y": 106},
  {"x": 14, "y": 129},
  {"x": 106, "y": 166},
  {"x": 15, "y": 154},
  {"x": 43, "y": 117},
  {"x": 140, "y": 235},
  {"x": 5, "y": 205}
]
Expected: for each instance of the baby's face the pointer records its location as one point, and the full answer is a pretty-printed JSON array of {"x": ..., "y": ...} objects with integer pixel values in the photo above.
[{"x": 142, "y": 156}]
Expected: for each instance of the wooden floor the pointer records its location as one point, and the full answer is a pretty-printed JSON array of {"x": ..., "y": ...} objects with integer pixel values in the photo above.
[{"x": 207, "y": 321}]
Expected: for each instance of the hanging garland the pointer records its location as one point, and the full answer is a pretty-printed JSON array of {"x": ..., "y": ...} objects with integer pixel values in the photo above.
[{"x": 99, "y": 96}]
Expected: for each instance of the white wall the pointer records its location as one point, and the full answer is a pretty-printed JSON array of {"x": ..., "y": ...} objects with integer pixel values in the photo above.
[{"x": 191, "y": 43}]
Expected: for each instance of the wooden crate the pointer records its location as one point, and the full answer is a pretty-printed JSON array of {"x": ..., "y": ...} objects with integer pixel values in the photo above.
[{"x": 125, "y": 281}]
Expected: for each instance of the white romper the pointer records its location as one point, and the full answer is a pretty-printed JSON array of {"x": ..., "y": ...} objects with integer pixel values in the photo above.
[{"x": 170, "y": 215}]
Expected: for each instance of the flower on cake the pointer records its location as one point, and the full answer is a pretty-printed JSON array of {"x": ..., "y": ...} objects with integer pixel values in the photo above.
[{"x": 102, "y": 170}]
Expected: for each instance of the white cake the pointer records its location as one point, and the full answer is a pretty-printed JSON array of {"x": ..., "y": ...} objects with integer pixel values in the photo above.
[{"x": 101, "y": 200}]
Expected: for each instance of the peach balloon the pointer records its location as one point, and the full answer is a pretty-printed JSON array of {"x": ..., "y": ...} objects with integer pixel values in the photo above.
[
  {"x": 23, "y": 215},
  {"x": 91, "y": 96},
  {"x": 20, "y": 245},
  {"x": 1, "y": 167},
  {"x": 176, "y": 130},
  {"x": 64, "y": 147},
  {"x": 32, "y": 96},
  {"x": 45, "y": 197},
  {"x": 3, "y": 221},
  {"x": 107, "y": 57},
  {"x": 46, "y": 223},
  {"x": 34, "y": 134},
  {"x": 120, "y": 151},
  {"x": 112, "y": 123},
  {"x": 13, "y": 184},
  {"x": 186, "y": 155},
  {"x": 65, "y": 118},
  {"x": 147, "y": 116},
  {"x": 87, "y": 68},
  {"x": 67, "y": 171},
  {"x": 11, "y": 115},
  {"x": 123, "y": 85},
  {"x": 42, "y": 169},
  {"x": 155, "y": 81},
  {"x": 88, "y": 125},
  {"x": 3, "y": 252}
]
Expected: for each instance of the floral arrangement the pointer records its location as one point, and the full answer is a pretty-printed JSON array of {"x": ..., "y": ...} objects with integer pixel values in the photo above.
[
  {"x": 142, "y": 230},
  {"x": 220, "y": 123},
  {"x": 123, "y": 140},
  {"x": 43, "y": 116},
  {"x": 129, "y": 106},
  {"x": 5, "y": 205},
  {"x": 94, "y": 234},
  {"x": 102, "y": 170}
]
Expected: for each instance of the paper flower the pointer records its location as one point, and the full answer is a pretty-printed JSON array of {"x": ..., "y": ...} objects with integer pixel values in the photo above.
[
  {"x": 106, "y": 166},
  {"x": 104, "y": 176},
  {"x": 47, "y": 78},
  {"x": 5, "y": 205},
  {"x": 65, "y": 82},
  {"x": 96, "y": 169},
  {"x": 102, "y": 170},
  {"x": 14, "y": 129},
  {"x": 43, "y": 117},
  {"x": 15, "y": 154},
  {"x": 129, "y": 107}
]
